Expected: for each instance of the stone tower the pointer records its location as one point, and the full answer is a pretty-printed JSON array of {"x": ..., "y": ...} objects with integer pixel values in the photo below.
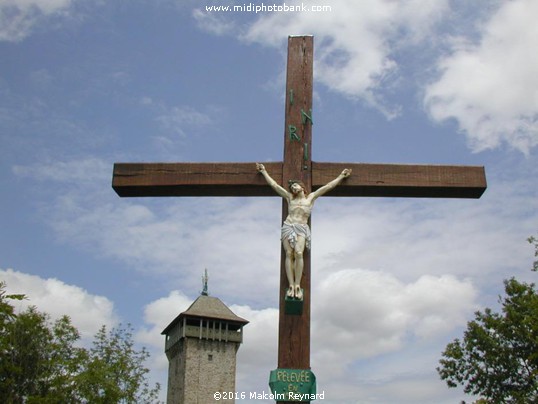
[{"x": 201, "y": 346}]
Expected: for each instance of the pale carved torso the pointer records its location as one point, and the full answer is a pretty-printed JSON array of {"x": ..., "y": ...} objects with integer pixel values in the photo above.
[{"x": 299, "y": 210}]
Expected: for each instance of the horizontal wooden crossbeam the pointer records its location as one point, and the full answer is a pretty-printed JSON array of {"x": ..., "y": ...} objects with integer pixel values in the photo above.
[{"x": 242, "y": 179}]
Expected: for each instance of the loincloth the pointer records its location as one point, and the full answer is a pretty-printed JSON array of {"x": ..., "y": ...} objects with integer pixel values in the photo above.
[{"x": 290, "y": 232}]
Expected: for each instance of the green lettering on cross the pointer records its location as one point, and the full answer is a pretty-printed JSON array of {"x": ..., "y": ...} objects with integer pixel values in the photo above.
[
  {"x": 306, "y": 117},
  {"x": 292, "y": 131}
]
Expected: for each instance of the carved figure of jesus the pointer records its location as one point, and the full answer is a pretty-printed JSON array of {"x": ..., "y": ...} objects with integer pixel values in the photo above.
[{"x": 295, "y": 235}]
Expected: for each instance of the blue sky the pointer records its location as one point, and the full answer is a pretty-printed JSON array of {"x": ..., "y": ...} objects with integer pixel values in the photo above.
[{"x": 86, "y": 83}]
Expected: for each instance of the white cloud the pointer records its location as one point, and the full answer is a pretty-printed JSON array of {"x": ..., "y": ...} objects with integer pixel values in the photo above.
[
  {"x": 177, "y": 118},
  {"x": 163, "y": 241},
  {"x": 355, "y": 41},
  {"x": 84, "y": 170},
  {"x": 368, "y": 313},
  {"x": 177, "y": 122},
  {"x": 19, "y": 17},
  {"x": 410, "y": 237},
  {"x": 258, "y": 353},
  {"x": 159, "y": 313},
  {"x": 211, "y": 22},
  {"x": 358, "y": 316},
  {"x": 88, "y": 312},
  {"x": 491, "y": 88},
  {"x": 488, "y": 86}
]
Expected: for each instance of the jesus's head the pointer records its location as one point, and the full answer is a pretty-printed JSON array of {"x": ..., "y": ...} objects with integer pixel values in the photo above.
[{"x": 296, "y": 187}]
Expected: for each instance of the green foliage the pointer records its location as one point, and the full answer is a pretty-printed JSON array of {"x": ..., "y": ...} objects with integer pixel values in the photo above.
[
  {"x": 114, "y": 372},
  {"x": 40, "y": 362},
  {"x": 534, "y": 241},
  {"x": 38, "y": 359},
  {"x": 498, "y": 356},
  {"x": 7, "y": 312}
]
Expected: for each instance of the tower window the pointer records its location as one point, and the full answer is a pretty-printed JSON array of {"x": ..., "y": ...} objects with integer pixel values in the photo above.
[{"x": 210, "y": 357}]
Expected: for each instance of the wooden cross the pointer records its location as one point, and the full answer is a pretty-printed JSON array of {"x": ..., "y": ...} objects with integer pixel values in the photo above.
[{"x": 242, "y": 179}]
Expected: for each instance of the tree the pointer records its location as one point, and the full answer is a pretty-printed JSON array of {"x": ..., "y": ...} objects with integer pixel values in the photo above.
[
  {"x": 39, "y": 359},
  {"x": 534, "y": 241},
  {"x": 41, "y": 363},
  {"x": 498, "y": 356},
  {"x": 115, "y": 372},
  {"x": 7, "y": 311}
]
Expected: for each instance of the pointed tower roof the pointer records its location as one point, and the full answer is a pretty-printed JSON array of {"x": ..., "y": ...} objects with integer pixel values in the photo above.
[
  {"x": 207, "y": 307},
  {"x": 212, "y": 307}
]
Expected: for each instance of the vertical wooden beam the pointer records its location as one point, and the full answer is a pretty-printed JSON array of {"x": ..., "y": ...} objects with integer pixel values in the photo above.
[{"x": 294, "y": 330}]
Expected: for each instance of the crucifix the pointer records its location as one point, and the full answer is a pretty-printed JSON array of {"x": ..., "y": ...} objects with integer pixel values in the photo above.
[{"x": 243, "y": 179}]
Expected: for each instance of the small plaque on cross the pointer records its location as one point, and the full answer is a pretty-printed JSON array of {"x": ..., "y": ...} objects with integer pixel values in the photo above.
[{"x": 294, "y": 385}]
